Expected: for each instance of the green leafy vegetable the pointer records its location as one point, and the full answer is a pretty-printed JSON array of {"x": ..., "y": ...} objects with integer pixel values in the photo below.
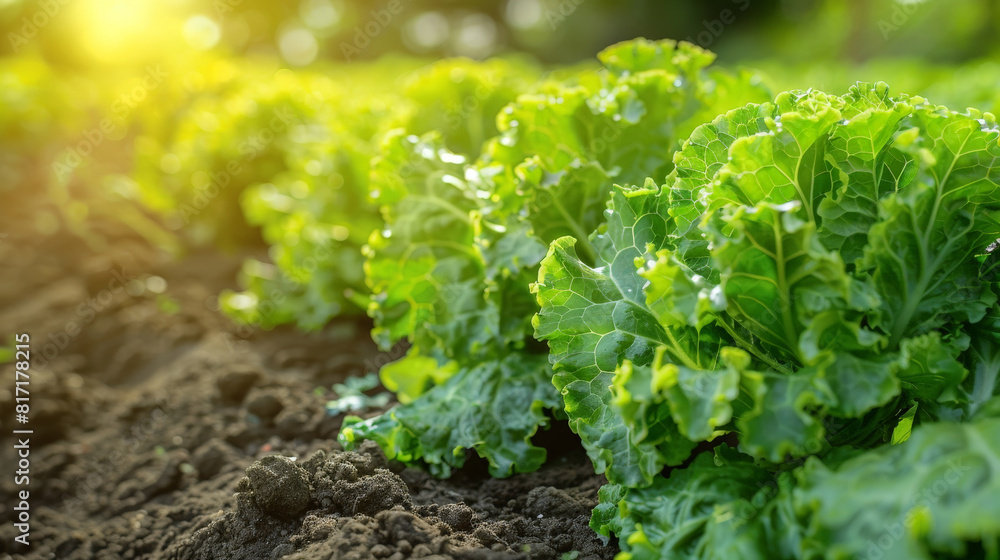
[
  {"x": 298, "y": 154},
  {"x": 464, "y": 237},
  {"x": 813, "y": 278},
  {"x": 929, "y": 497}
]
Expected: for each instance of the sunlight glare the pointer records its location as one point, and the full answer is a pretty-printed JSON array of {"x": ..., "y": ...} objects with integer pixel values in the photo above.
[{"x": 115, "y": 31}]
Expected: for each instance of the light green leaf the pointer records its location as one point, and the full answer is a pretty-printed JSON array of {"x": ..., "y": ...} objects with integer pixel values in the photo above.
[
  {"x": 867, "y": 167},
  {"x": 494, "y": 408},
  {"x": 921, "y": 253},
  {"x": 786, "y": 163},
  {"x": 595, "y": 318},
  {"x": 904, "y": 428},
  {"x": 424, "y": 270},
  {"x": 411, "y": 376},
  {"x": 696, "y": 164},
  {"x": 777, "y": 277},
  {"x": 652, "y": 433},
  {"x": 700, "y": 400}
]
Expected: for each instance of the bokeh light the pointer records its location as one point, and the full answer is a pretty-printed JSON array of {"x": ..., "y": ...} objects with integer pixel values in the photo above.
[
  {"x": 320, "y": 14},
  {"x": 201, "y": 32},
  {"x": 476, "y": 36},
  {"x": 523, "y": 14},
  {"x": 298, "y": 46},
  {"x": 427, "y": 31}
]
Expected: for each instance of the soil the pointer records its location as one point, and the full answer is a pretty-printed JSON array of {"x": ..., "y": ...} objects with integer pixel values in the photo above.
[{"x": 161, "y": 430}]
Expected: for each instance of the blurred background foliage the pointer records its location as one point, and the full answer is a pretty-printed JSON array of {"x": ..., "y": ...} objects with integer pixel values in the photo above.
[
  {"x": 127, "y": 109},
  {"x": 89, "y": 33},
  {"x": 102, "y": 33}
]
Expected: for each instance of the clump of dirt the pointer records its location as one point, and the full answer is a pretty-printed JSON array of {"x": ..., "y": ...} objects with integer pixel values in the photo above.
[
  {"x": 161, "y": 430},
  {"x": 351, "y": 505}
]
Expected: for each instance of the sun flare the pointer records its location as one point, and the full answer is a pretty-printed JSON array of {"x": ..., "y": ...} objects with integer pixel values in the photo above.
[{"x": 123, "y": 31}]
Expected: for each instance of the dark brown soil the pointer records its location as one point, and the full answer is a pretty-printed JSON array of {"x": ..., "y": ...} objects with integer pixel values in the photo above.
[{"x": 163, "y": 431}]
